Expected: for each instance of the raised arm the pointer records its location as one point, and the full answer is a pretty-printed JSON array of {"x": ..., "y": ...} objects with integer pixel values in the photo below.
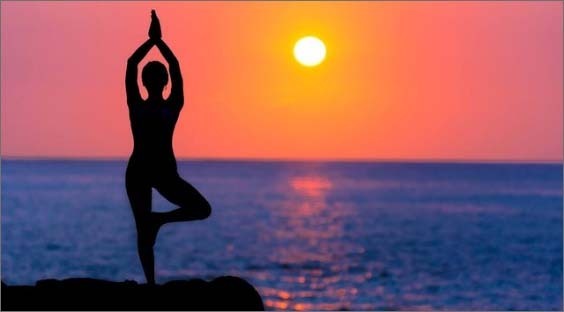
[
  {"x": 131, "y": 87},
  {"x": 176, "y": 92}
]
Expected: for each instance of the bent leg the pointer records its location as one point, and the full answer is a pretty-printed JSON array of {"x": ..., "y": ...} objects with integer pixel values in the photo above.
[
  {"x": 192, "y": 205},
  {"x": 139, "y": 194}
]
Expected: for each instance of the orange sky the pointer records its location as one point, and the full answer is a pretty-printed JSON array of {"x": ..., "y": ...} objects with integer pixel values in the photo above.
[{"x": 402, "y": 80}]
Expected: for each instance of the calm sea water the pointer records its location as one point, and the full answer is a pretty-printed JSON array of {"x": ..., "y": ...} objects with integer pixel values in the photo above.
[{"x": 307, "y": 235}]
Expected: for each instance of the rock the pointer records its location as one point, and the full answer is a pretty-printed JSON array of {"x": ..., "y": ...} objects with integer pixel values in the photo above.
[{"x": 223, "y": 293}]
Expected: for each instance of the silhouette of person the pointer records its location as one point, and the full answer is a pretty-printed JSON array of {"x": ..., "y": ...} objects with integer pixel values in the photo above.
[{"x": 152, "y": 163}]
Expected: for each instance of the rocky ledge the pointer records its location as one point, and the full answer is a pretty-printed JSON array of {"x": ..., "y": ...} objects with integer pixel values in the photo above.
[{"x": 223, "y": 293}]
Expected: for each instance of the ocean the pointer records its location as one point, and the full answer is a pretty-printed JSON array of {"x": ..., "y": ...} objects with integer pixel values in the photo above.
[{"x": 307, "y": 235}]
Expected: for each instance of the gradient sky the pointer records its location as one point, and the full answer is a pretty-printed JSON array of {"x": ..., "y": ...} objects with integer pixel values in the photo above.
[{"x": 402, "y": 80}]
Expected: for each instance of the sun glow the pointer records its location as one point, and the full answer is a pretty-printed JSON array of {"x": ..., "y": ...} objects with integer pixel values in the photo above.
[{"x": 309, "y": 51}]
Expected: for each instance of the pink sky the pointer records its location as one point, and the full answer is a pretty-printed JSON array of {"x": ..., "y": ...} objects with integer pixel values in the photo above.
[{"x": 402, "y": 80}]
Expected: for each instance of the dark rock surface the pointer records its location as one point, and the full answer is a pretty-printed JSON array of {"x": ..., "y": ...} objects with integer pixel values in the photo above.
[{"x": 223, "y": 293}]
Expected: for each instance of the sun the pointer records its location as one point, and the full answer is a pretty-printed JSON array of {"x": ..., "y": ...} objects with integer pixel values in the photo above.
[{"x": 309, "y": 51}]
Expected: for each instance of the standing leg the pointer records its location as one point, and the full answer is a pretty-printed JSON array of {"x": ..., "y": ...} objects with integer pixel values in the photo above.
[
  {"x": 192, "y": 205},
  {"x": 139, "y": 193}
]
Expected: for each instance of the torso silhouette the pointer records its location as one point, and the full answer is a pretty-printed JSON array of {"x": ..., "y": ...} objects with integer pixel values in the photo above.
[{"x": 152, "y": 126}]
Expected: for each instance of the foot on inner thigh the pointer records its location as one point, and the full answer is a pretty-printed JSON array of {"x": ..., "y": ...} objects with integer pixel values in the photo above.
[{"x": 150, "y": 230}]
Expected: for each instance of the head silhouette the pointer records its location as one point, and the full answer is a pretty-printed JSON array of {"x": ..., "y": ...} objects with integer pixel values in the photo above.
[{"x": 154, "y": 77}]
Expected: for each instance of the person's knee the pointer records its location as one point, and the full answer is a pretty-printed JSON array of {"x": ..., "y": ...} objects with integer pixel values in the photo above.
[{"x": 204, "y": 210}]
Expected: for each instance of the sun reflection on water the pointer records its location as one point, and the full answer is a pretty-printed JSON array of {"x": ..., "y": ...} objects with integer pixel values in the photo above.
[
  {"x": 313, "y": 186},
  {"x": 312, "y": 229}
]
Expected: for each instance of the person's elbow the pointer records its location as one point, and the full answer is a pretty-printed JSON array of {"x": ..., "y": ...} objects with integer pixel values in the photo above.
[{"x": 132, "y": 61}]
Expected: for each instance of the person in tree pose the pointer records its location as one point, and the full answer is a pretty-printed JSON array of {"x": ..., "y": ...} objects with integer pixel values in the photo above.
[{"x": 152, "y": 163}]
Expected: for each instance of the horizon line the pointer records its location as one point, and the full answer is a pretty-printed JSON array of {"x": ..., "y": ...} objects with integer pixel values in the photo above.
[{"x": 274, "y": 159}]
